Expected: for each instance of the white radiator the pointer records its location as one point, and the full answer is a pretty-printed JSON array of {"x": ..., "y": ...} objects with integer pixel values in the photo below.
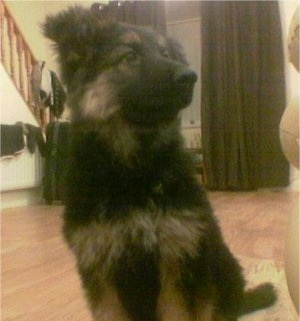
[{"x": 22, "y": 171}]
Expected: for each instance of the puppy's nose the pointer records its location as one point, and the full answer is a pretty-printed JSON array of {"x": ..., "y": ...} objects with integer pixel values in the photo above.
[{"x": 185, "y": 76}]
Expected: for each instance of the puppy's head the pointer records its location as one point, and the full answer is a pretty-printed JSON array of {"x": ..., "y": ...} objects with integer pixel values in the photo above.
[{"x": 112, "y": 69}]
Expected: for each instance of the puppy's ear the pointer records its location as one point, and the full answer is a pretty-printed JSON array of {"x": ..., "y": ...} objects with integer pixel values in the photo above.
[
  {"x": 70, "y": 31},
  {"x": 71, "y": 25},
  {"x": 176, "y": 51}
]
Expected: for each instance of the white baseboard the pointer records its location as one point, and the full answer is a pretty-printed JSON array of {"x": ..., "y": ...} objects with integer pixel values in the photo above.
[{"x": 21, "y": 198}]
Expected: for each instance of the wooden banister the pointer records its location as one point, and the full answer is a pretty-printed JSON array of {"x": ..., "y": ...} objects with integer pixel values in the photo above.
[{"x": 18, "y": 60}]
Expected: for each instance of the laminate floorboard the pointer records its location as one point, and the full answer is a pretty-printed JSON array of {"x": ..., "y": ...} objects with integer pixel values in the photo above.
[{"x": 39, "y": 280}]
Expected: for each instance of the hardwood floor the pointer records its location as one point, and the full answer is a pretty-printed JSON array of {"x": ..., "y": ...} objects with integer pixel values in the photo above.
[
  {"x": 254, "y": 223},
  {"x": 39, "y": 282}
]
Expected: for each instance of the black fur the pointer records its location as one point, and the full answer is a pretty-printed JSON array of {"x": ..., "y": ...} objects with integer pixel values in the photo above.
[{"x": 141, "y": 227}]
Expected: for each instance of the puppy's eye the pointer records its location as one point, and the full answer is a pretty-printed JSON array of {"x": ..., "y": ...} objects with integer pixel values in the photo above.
[{"x": 130, "y": 57}]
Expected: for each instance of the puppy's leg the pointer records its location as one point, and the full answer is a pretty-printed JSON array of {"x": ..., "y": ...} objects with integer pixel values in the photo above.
[
  {"x": 109, "y": 308},
  {"x": 101, "y": 296},
  {"x": 230, "y": 283},
  {"x": 172, "y": 305}
]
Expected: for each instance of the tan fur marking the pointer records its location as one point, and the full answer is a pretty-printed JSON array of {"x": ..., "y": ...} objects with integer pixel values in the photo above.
[
  {"x": 161, "y": 41},
  {"x": 121, "y": 138},
  {"x": 98, "y": 101},
  {"x": 130, "y": 37},
  {"x": 205, "y": 311},
  {"x": 104, "y": 242},
  {"x": 179, "y": 237},
  {"x": 171, "y": 306},
  {"x": 110, "y": 309},
  {"x": 170, "y": 303}
]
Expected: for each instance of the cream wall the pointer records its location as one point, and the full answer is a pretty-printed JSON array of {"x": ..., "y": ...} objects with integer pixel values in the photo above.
[
  {"x": 182, "y": 10},
  {"x": 13, "y": 107},
  {"x": 30, "y": 14}
]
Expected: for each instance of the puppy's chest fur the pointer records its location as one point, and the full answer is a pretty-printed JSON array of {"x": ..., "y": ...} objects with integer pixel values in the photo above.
[
  {"x": 139, "y": 218},
  {"x": 168, "y": 238}
]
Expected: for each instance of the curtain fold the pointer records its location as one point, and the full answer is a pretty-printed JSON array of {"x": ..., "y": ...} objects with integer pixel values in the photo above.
[{"x": 243, "y": 94}]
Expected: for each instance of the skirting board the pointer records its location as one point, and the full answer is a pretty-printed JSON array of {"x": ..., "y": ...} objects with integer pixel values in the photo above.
[{"x": 21, "y": 198}]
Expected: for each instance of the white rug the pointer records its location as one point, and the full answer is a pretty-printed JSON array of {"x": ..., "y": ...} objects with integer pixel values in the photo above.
[{"x": 258, "y": 271}]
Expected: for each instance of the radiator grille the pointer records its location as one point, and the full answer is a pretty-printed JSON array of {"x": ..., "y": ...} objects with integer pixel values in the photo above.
[{"x": 22, "y": 171}]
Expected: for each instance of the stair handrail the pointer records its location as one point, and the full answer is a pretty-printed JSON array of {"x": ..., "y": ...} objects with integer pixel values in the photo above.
[{"x": 18, "y": 60}]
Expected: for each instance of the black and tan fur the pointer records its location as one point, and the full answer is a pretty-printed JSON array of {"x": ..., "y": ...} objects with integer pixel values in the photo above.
[{"x": 148, "y": 247}]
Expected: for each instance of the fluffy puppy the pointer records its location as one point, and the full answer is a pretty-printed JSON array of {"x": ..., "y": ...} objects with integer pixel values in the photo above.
[{"x": 147, "y": 245}]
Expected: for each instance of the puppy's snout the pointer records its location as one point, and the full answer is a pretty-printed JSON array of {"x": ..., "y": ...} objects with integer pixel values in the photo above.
[{"x": 185, "y": 76}]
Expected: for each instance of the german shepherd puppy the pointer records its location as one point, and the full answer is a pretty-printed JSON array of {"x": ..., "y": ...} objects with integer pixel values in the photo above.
[{"x": 147, "y": 245}]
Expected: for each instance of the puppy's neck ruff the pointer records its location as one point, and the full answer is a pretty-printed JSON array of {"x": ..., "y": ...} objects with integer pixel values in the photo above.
[{"x": 129, "y": 142}]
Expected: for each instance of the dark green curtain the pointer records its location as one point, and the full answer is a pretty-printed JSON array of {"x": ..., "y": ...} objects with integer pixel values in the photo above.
[
  {"x": 243, "y": 94},
  {"x": 143, "y": 13}
]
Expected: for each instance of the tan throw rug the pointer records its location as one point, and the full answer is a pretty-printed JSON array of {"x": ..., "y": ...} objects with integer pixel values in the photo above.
[{"x": 258, "y": 271}]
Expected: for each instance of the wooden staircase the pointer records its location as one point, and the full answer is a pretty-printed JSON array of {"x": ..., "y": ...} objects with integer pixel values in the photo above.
[{"x": 18, "y": 60}]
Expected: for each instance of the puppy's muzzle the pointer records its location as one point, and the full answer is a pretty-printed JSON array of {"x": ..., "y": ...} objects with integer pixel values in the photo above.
[
  {"x": 184, "y": 80},
  {"x": 185, "y": 77}
]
